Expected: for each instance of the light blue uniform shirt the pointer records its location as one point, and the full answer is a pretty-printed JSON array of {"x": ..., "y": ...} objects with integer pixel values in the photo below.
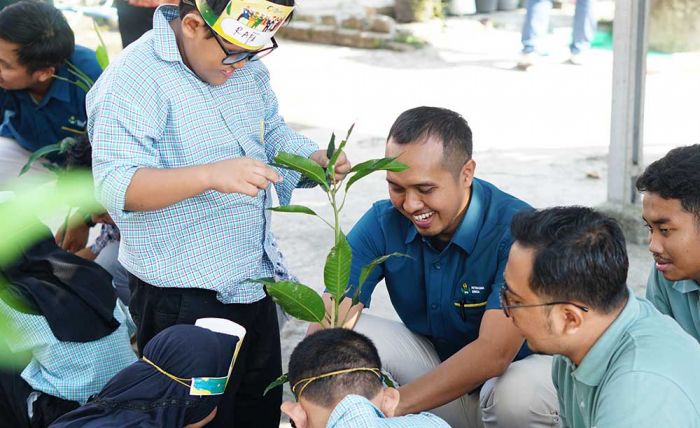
[
  {"x": 70, "y": 370},
  {"x": 355, "y": 411},
  {"x": 678, "y": 299},
  {"x": 641, "y": 373},
  {"x": 150, "y": 110}
]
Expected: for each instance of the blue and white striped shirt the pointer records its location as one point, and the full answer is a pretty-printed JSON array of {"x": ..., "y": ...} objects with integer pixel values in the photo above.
[
  {"x": 70, "y": 370},
  {"x": 356, "y": 411},
  {"x": 150, "y": 110}
]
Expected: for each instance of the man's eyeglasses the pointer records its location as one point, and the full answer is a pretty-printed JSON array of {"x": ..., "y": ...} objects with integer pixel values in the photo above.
[
  {"x": 235, "y": 57},
  {"x": 507, "y": 307}
]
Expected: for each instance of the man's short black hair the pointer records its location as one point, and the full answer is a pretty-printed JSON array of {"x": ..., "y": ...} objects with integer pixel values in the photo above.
[
  {"x": 676, "y": 176},
  {"x": 218, "y": 6},
  {"x": 330, "y": 350},
  {"x": 580, "y": 255},
  {"x": 417, "y": 124},
  {"x": 41, "y": 31}
]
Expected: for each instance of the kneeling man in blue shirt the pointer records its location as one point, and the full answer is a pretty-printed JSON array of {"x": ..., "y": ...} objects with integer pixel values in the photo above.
[
  {"x": 618, "y": 361},
  {"x": 671, "y": 209},
  {"x": 454, "y": 350},
  {"x": 39, "y": 105}
]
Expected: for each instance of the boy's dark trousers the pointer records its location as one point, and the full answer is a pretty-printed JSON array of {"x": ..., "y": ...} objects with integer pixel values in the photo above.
[
  {"x": 259, "y": 361},
  {"x": 14, "y": 392}
]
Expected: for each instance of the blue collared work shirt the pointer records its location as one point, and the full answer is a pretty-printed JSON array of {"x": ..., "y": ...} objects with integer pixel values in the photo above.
[
  {"x": 149, "y": 110},
  {"x": 59, "y": 114},
  {"x": 439, "y": 294}
]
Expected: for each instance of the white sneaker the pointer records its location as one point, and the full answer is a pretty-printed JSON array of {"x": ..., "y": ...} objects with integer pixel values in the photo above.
[
  {"x": 577, "y": 59},
  {"x": 526, "y": 61}
]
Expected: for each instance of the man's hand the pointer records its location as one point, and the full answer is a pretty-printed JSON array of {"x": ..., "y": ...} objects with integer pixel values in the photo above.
[
  {"x": 346, "y": 312},
  {"x": 342, "y": 165},
  {"x": 486, "y": 357},
  {"x": 75, "y": 237},
  {"x": 240, "y": 175},
  {"x": 103, "y": 218}
]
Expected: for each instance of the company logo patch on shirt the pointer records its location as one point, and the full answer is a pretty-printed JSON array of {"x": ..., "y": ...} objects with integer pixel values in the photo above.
[
  {"x": 472, "y": 289},
  {"x": 74, "y": 121}
]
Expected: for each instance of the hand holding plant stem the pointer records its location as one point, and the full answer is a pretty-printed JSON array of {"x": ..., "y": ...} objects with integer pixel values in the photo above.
[{"x": 297, "y": 299}]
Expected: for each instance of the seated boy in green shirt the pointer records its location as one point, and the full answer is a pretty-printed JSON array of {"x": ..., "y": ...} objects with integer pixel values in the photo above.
[{"x": 671, "y": 210}]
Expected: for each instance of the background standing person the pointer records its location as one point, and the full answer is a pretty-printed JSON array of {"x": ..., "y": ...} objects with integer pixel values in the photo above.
[{"x": 536, "y": 26}]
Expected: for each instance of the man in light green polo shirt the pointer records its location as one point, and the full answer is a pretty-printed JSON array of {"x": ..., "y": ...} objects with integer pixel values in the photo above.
[
  {"x": 671, "y": 207},
  {"x": 618, "y": 361}
]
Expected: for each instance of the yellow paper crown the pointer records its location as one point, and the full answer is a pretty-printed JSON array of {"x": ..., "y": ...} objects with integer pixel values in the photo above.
[{"x": 249, "y": 24}]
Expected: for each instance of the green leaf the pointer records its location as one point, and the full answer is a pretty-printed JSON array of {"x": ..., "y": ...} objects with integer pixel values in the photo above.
[
  {"x": 337, "y": 153},
  {"x": 306, "y": 166},
  {"x": 277, "y": 382},
  {"x": 80, "y": 74},
  {"x": 102, "y": 56},
  {"x": 77, "y": 83},
  {"x": 293, "y": 209},
  {"x": 388, "y": 381},
  {"x": 366, "y": 168},
  {"x": 330, "y": 151},
  {"x": 101, "y": 51},
  {"x": 18, "y": 225},
  {"x": 298, "y": 300},
  {"x": 367, "y": 270},
  {"x": 42, "y": 152},
  {"x": 336, "y": 272}
]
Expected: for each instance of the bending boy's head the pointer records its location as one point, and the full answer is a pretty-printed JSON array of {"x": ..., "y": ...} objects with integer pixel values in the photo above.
[
  {"x": 318, "y": 388},
  {"x": 35, "y": 39},
  {"x": 329, "y": 351},
  {"x": 671, "y": 210}
]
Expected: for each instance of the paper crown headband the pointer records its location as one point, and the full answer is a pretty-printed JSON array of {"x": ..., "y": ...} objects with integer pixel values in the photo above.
[{"x": 249, "y": 24}]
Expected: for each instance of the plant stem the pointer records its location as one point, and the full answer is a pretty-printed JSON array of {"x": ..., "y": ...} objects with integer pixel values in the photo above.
[{"x": 65, "y": 226}]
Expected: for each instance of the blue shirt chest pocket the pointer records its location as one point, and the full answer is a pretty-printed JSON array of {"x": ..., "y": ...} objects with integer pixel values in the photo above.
[{"x": 469, "y": 299}]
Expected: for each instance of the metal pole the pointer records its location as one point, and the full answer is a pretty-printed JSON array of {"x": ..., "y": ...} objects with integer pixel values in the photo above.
[{"x": 630, "y": 34}]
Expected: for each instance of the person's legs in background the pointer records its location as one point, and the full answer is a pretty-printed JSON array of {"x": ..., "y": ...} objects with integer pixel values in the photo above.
[
  {"x": 584, "y": 28},
  {"x": 536, "y": 24},
  {"x": 120, "y": 277},
  {"x": 12, "y": 158},
  {"x": 133, "y": 21}
]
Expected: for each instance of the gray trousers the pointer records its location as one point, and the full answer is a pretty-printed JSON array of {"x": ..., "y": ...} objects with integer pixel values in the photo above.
[
  {"x": 12, "y": 159},
  {"x": 524, "y": 396}
]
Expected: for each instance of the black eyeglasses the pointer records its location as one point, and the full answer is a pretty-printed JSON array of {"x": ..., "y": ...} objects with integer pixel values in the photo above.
[
  {"x": 235, "y": 57},
  {"x": 506, "y": 306}
]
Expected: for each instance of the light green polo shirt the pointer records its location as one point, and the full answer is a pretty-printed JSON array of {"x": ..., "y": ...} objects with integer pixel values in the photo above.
[
  {"x": 641, "y": 373},
  {"x": 678, "y": 299}
]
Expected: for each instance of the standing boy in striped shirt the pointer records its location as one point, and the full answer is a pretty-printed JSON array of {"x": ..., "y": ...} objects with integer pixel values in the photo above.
[{"x": 179, "y": 163}]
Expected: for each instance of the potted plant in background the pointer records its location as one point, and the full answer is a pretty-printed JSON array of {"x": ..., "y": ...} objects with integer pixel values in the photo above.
[
  {"x": 486, "y": 6},
  {"x": 417, "y": 10},
  {"x": 508, "y": 4}
]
